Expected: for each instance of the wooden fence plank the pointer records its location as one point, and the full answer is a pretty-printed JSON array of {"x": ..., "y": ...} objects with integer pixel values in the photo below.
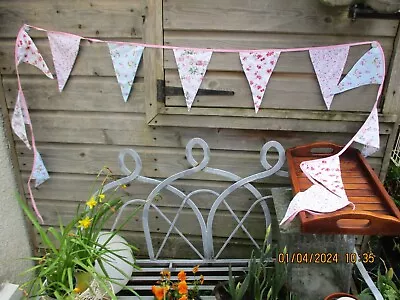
[
  {"x": 281, "y": 16},
  {"x": 283, "y": 91},
  {"x": 293, "y": 62},
  {"x": 102, "y": 18},
  {"x": 81, "y": 94},
  {"x": 93, "y": 59}
]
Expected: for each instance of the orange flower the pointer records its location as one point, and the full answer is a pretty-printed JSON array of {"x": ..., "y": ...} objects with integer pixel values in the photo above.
[
  {"x": 195, "y": 269},
  {"x": 184, "y": 297},
  {"x": 159, "y": 291},
  {"x": 182, "y": 276},
  {"x": 201, "y": 279},
  {"x": 165, "y": 273},
  {"x": 182, "y": 287}
]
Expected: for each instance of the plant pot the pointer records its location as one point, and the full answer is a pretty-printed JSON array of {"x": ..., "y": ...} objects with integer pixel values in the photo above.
[{"x": 337, "y": 296}]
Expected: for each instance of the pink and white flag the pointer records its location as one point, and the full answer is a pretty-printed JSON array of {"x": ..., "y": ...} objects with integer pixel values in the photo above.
[
  {"x": 126, "y": 59},
  {"x": 315, "y": 200},
  {"x": 369, "y": 69},
  {"x": 325, "y": 171},
  {"x": 328, "y": 65},
  {"x": 368, "y": 135},
  {"x": 39, "y": 172},
  {"x": 258, "y": 67},
  {"x": 20, "y": 118},
  {"x": 192, "y": 66},
  {"x": 64, "y": 48},
  {"x": 28, "y": 52}
]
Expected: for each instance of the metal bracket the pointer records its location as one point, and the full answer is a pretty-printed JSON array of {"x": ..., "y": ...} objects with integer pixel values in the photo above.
[{"x": 366, "y": 12}]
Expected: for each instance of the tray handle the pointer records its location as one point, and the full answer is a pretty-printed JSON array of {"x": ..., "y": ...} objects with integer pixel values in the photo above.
[
  {"x": 366, "y": 221},
  {"x": 316, "y": 149}
]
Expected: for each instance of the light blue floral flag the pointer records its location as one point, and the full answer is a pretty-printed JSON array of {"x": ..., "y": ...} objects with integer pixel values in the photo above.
[{"x": 126, "y": 59}]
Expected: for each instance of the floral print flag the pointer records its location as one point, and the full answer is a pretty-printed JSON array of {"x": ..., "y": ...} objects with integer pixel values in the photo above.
[
  {"x": 192, "y": 66},
  {"x": 368, "y": 135},
  {"x": 39, "y": 172},
  {"x": 325, "y": 171},
  {"x": 258, "y": 67},
  {"x": 64, "y": 48},
  {"x": 20, "y": 118},
  {"x": 328, "y": 65},
  {"x": 314, "y": 200},
  {"x": 369, "y": 69},
  {"x": 126, "y": 59},
  {"x": 28, "y": 52}
]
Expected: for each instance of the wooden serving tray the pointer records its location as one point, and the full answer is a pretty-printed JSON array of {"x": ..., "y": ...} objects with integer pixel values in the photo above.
[{"x": 375, "y": 212}]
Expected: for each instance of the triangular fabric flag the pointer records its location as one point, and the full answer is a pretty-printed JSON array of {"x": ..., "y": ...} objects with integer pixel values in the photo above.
[
  {"x": 369, "y": 69},
  {"x": 328, "y": 65},
  {"x": 20, "y": 118},
  {"x": 126, "y": 59},
  {"x": 368, "y": 135},
  {"x": 192, "y": 66},
  {"x": 64, "y": 48},
  {"x": 315, "y": 200},
  {"x": 28, "y": 52},
  {"x": 258, "y": 67},
  {"x": 325, "y": 171},
  {"x": 39, "y": 172}
]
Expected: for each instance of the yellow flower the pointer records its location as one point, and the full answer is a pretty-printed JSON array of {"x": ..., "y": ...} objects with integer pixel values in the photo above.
[
  {"x": 91, "y": 203},
  {"x": 165, "y": 273},
  {"x": 124, "y": 186},
  {"x": 101, "y": 197},
  {"x": 85, "y": 223},
  {"x": 201, "y": 279},
  {"x": 77, "y": 290},
  {"x": 195, "y": 269}
]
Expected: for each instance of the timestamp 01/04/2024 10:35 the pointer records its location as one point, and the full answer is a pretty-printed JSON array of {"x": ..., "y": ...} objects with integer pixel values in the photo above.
[{"x": 325, "y": 258}]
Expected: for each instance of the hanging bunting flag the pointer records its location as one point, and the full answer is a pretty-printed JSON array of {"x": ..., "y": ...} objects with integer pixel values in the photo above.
[
  {"x": 64, "y": 48},
  {"x": 39, "y": 172},
  {"x": 368, "y": 135},
  {"x": 20, "y": 118},
  {"x": 258, "y": 67},
  {"x": 28, "y": 52},
  {"x": 325, "y": 171},
  {"x": 314, "y": 200},
  {"x": 328, "y": 65},
  {"x": 369, "y": 69},
  {"x": 126, "y": 59},
  {"x": 192, "y": 66}
]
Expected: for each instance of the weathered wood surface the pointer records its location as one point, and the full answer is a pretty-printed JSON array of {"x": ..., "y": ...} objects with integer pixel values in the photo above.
[
  {"x": 101, "y": 18},
  {"x": 284, "y": 16}
]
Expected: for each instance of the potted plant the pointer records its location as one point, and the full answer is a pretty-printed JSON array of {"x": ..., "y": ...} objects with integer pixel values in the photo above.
[
  {"x": 76, "y": 256},
  {"x": 388, "y": 284}
]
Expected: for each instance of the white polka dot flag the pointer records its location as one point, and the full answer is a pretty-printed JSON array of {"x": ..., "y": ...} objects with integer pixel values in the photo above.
[
  {"x": 20, "y": 118},
  {"x": 126, "y": 59},
  {"x": 27, "y": 52},
  {"x": 64, "y": 48},
  {"x": 328, "y": 65},
  {"x": 258, "y": 67},
  {"x": 368, "y": 135}
]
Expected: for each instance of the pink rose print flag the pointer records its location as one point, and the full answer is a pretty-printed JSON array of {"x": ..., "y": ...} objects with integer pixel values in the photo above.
[
  {"x": 28, "y": 52},
  {"x": 192, "y": 66},
  {"x": 325, "y": 171},
  {"x": 64, "y": 48},
  {"x": 126, "y": 59},
  {"x": 328, "y": 65},
  {"x": 314, "y": 200},
  {"x": 369, "y": 69},
  {"x": 20, "y": 118},
  {"x": 258, "y": 67},
  {"x": 368, "y": 135},
  {"x": 39, "y": 172}
]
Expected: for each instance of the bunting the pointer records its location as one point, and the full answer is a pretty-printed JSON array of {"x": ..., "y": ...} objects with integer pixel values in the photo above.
[
  {"x": 328, "y": 64},
  {"x": 369, "y": 69},
  {"x": 20, "y": 118},
  {"x": 39, "y": 172},
  {"x": 192, "y": 66},
  {"x": 325, "y": 171},
  {"x": 64, "y": 48},
  {"x": 26, "y": 51},
  {"x": 368, "y": 135},
  {"x": 258, "y": 67},
  {"x": 126, "y": 59}
]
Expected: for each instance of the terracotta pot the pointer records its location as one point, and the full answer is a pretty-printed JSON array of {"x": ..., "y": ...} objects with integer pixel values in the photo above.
[{"x": 336, "y": 296}]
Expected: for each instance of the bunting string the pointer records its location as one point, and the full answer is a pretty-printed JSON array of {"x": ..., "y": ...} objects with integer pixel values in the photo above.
[{"x": 258, "y": 66}]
